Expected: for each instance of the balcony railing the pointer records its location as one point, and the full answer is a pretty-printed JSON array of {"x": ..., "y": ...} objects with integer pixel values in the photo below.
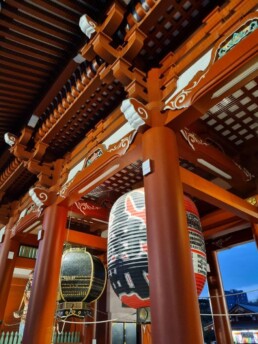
[{"x": 62, "y": 338}]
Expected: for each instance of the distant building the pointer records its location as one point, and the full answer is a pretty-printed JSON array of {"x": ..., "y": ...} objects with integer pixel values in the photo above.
[
  {"x": 243, "y": 320},
  {"x": 244, "y": 327},
  {"x": 234, "y": 297}
]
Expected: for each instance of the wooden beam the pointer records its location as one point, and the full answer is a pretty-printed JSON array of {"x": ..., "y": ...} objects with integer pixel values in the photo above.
[
  {"x": 225, "y": 229},
  {"x": 222, "y": 71},
  {"x": 28, "y": 239},
  {"x": 213, "y": 194},
  {"x": 100, "y": 170},
  {"x": 199, "y": 152},
  {"x": 217, "y": 218},
  {"x": 31, "y": 10},
  {"x": 56, "y": 86},
  {"x": 8, "y": 54},
  {"x": 87, "y": 240},
  {"x": 25, "y": 263},
  {"x": 229, "y": 240}
]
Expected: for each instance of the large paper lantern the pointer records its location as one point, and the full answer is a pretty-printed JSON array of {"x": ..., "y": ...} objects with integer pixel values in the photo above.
[
  {"x": 82, "y": 281},
  {"x": 128, "y": 252}
]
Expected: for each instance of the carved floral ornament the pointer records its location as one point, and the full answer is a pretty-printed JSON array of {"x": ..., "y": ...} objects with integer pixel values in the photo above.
[
  {"x": 123, "y": 144},
  {"x": 190, "y": 79},
  {"x": 249, "y": 176},
  {"x": 220, "y": 243},
  {"x": 192, "y": 138},
  {"x": 245, "y": 30},
  {"x": 32, "y": 208},
  {"x": 119, "y": 148},
  {"x": 64, "y": 188},
  {"x": 119, "y": 142},
  {"x": 84, "y": 206},
  {"x": 94, "y": 155},
  {"x": 179, "y": 102}
]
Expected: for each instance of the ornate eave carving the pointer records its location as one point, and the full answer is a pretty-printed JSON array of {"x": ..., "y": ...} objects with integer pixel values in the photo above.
[
  {"x": 211, "y": 157},
  {"x": 113, "y": 151},
  {"x": 122, "y": 146},
  {"x": 94, "y": 154},
  {"x": 24, "y": 158},
  {"x": 25, "y": 221},
  {"x": 231, "y": 41},
  {"x": 90, "y": 209},
  {"x": 248, "y": 175},
  {"x": 183, "y": 96},
  {"x": 181, "y": 101},
  {"x": 192, "y": 139}
]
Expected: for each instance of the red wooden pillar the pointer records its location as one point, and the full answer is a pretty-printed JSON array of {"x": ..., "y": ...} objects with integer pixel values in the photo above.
[
  {"x": 87, "y": 331},
  {"x": 222, "y": 326},
  {"x": 42, "y": 305},
  {"x": 146, "y": 334},
  {"x": 102, "y": 330},
  {"x": 7, "y": 266},
  {"x": 174, "y": 303}
]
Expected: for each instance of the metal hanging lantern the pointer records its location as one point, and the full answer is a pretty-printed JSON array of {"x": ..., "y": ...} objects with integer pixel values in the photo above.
[
  {"x": 128, "y": 251},
  {"x": 82, "y": 281}
]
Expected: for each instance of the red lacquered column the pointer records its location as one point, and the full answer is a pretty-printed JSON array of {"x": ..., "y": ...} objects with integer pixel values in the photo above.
[
  {"x": 6, "y": 269},
  {"x": 222, "y": 326},
  {"x": 42, "y": 304},
  {"x": 174, "y": 303}
]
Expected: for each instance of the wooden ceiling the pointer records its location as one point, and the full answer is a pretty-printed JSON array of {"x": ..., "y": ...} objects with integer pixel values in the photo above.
[
  {"x": 38, "y": 41},
  {"x": 39, "y": 66}
]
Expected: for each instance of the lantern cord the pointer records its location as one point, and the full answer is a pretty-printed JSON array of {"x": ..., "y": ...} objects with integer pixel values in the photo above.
[
  {"x": 57, "y": 327},
  {"x": 125, "y": 320},
  {"x": 226, "y": 295},
  {"x": 15, "y": 324},
  {"x": 69, "y": 223},
  {"x": 89, "y": 322},
  {"x": 227, "y": 314}
]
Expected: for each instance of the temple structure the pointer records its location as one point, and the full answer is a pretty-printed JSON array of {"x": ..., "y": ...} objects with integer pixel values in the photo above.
[{"x": 102, "y": 97}]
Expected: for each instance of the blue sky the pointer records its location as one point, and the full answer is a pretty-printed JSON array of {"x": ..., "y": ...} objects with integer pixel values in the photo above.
[{"x": 239, "y": 269}]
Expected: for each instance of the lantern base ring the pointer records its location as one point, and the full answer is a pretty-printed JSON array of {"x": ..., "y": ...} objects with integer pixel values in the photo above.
[{"x": 76, "y": 309}]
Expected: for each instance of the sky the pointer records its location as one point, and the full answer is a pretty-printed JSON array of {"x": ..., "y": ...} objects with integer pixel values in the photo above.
[{"x": 239, "y": 269}]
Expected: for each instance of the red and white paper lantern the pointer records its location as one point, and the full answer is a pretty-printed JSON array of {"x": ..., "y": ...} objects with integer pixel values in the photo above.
[{"x": 128, "y": 251}]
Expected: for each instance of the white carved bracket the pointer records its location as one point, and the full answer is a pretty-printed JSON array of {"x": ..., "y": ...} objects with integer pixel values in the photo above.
[
  {"x": 39, "y": 196},
  {"x": 10, "y": 139},
  {"x": 135, "y": 113},
  {"x": 87, "y": 25},
  {"x": 2, "y": 232}
]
